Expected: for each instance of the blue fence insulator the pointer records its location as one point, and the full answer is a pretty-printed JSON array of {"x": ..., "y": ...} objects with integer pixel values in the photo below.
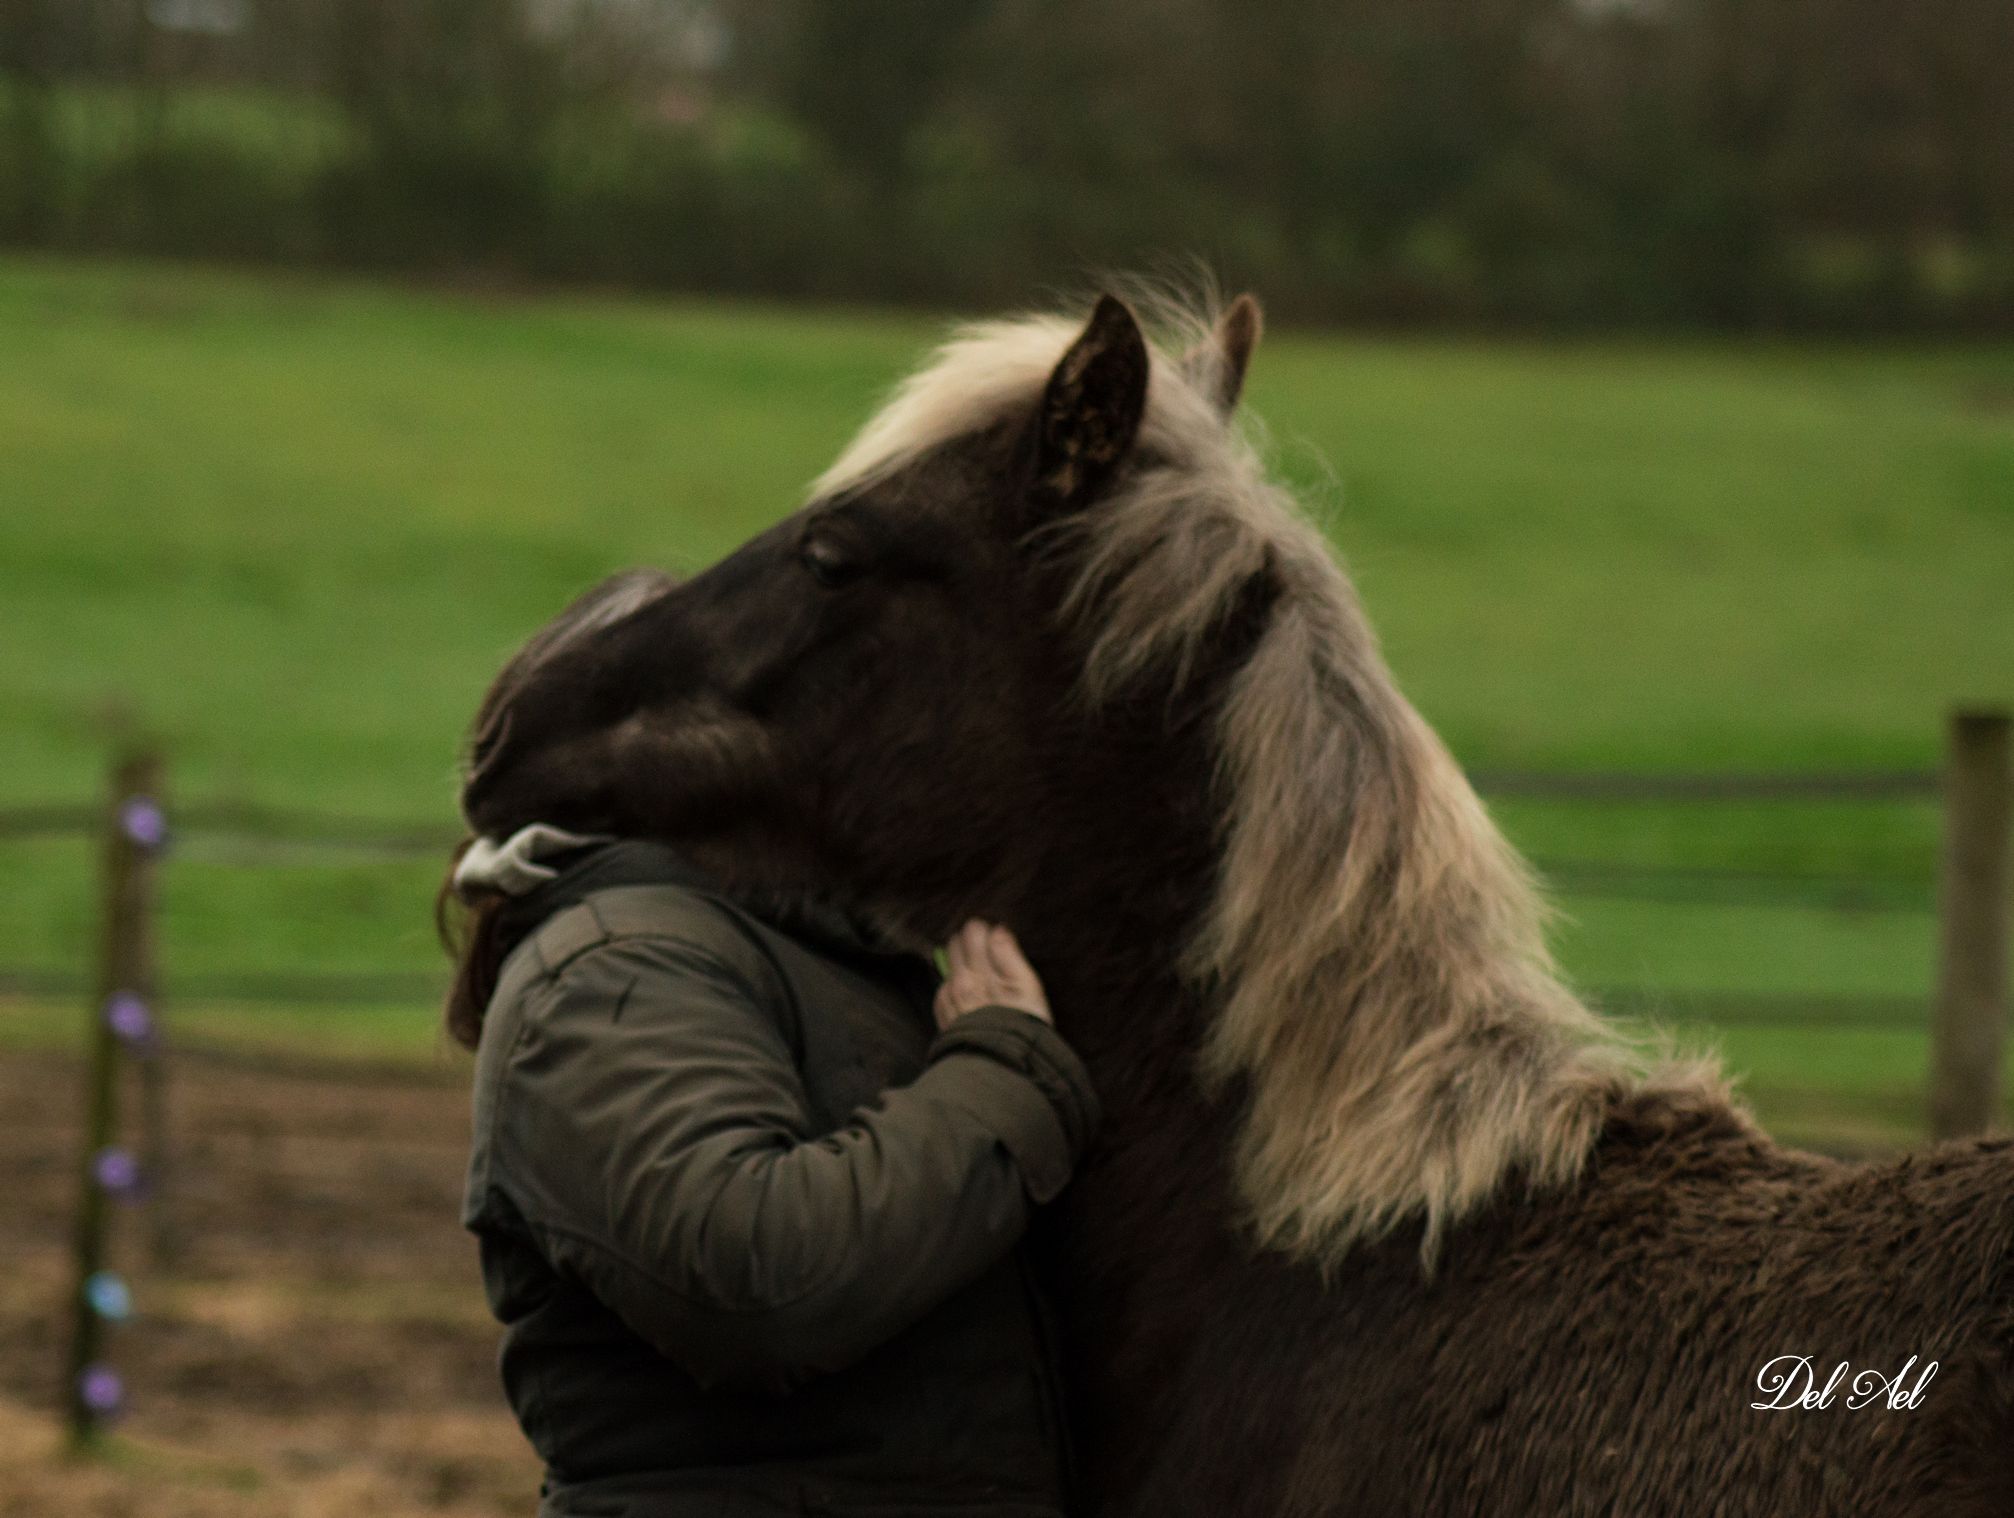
[{"x": 108, "y": 1295}]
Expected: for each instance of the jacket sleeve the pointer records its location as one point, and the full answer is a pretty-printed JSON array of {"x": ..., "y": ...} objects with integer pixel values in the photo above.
[{"x": 653, "y": 1131}]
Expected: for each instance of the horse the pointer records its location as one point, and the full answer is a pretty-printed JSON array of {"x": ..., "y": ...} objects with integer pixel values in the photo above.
[{"x": 1383, "y": 1218}]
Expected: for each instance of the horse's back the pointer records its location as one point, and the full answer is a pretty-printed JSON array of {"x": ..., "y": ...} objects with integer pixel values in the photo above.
[{"x": 1602, "y": 1350}]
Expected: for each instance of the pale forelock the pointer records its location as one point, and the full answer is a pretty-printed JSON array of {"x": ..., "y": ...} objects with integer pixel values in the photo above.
[
  {"x": 1374, "y": 948},
  {"x": 986, "y": 370}
]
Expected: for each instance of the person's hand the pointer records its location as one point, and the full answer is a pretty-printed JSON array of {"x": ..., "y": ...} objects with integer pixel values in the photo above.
[{"x": 986, "y": 969}]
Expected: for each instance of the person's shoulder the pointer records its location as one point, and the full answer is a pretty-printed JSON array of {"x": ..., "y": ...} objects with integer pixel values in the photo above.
[{"x": 671, "y": 929}]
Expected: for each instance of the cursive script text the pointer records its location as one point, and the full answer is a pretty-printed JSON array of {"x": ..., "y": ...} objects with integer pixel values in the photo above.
[{"x": 1790, "y": 1381}]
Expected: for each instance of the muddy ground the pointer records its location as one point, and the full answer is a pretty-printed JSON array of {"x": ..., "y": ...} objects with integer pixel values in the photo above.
[{"x": 320, "y": 1347}]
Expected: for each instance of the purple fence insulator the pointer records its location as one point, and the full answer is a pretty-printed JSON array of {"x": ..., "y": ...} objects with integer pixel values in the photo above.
[
  {"x": 117, "y": 1172},
  {"x": 108, "y": 1295},
  {"x": 130, "y": 1021},
  {"x": 100, "y": 1389},
  {"x": 144, "y": 822}
]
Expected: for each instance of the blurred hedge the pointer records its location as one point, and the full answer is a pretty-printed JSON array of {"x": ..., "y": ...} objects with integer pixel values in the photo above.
[{"x": 1362, "y": 160}]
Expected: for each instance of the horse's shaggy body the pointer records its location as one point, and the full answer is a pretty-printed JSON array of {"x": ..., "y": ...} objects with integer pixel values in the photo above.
[
  {"x": 1384, "y": 1219},
  {"x": 1590, "y": 1350}
]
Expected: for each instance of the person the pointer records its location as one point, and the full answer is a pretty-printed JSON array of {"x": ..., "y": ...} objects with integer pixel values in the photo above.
[{"x": 751, "y": 1189}]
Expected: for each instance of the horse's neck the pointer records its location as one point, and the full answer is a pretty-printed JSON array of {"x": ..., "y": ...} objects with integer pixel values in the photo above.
[
  {"x": 1162, "y": 1158},
  {"x": 1145, "y": 1238},
  {"x": 1108, "y": 922}
]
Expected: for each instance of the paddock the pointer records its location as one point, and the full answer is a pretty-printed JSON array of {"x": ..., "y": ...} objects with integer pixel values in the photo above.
[
  {"x": 319, "y": 1348},
  {"x": 296, "y": 977},
  {"x": 306, "y": 1329}
]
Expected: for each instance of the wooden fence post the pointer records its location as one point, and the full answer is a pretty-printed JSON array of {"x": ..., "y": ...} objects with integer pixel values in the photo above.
[
  {"x": 121, "y": 1018},
  {"x": 1969, "y": 1031}
]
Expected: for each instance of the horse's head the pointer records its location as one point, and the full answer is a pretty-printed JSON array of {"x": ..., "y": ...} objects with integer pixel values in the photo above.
[
  {"x": 874, "y": 696},
  {"x": 1047, "y": 645}
]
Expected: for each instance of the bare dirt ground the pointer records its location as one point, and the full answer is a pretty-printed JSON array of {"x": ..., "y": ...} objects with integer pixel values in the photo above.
[{"x": 321, "y": 1347}]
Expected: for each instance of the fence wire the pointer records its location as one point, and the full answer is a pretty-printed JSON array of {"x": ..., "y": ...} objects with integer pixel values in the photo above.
[{"x": 251, "y": 836}]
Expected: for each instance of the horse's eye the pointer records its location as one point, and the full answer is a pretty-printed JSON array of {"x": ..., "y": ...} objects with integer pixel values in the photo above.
[{"x": 829, "y": 564}]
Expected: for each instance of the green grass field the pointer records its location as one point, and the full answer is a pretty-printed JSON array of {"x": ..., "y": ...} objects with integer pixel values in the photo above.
[{"x": 291, "y": 527}]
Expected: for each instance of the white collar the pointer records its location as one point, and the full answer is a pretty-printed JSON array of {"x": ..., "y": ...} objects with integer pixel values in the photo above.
[{"x": 513, "y": 866}]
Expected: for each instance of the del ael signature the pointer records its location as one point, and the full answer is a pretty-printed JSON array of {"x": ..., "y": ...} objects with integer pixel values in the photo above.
[{"x": 1790, "y": 1381}]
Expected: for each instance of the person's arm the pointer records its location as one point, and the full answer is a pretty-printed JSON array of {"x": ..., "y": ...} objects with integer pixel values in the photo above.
[{"x": 655, "y": 1135}]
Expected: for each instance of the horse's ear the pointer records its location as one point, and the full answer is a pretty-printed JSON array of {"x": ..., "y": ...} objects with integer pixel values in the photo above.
[
  {"x": 1092, "y": 406},
  {"x": 1220, "y": 362}
]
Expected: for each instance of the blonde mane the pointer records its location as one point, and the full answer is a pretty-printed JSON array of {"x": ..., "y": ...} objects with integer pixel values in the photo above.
[{"x": 1375, "y": 949}]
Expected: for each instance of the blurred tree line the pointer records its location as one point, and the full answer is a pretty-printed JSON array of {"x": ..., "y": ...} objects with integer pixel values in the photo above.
[{"x": 1842, "y": 164}]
